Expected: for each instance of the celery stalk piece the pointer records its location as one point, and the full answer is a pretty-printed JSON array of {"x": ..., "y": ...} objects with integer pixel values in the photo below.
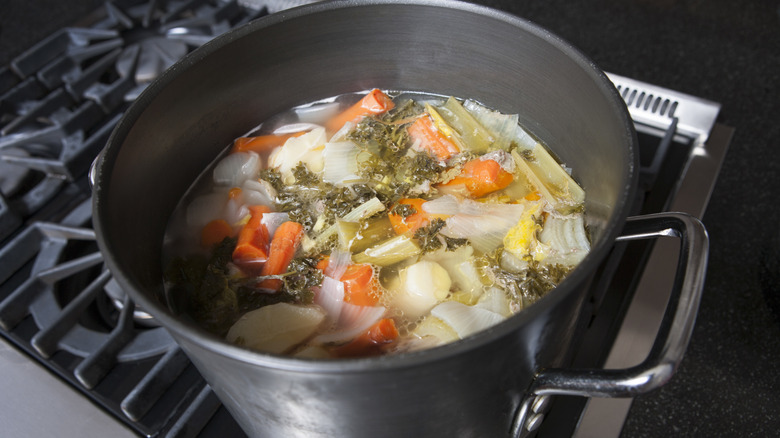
[
  {"x": 549, "y": 177},
  {"x": 389, "y": 252},
  {"x": 356, "y": 237},
  {"x": 471, "y": 133},
  {"x": 558, "y": 181},
  {"x": 366, "y": 209}
]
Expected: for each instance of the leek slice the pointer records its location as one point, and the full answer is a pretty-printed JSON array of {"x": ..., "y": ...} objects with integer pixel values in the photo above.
[
  {"x": 366, "y": 209},
  {"x": 357, "y": 237},
  {"x": 389, "y": 252}
]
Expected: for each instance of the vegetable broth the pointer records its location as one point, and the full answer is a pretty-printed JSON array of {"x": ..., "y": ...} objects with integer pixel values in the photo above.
[{"x": 373, "y": 223}]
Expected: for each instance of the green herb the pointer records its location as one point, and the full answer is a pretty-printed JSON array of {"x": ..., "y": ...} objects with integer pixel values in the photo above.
[
  {"x": 528, "y": 285},
  {"x": 428, "y": 236},
  {"x": 211, "y": 298},
  {"x": 403, "y": 210}
]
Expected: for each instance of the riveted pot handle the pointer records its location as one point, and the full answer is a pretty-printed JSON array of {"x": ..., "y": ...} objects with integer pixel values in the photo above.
[{"x": 673, "y": 334}]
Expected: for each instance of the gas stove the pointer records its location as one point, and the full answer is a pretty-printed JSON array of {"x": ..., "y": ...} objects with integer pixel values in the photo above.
[{"x": 61, "y": 311}]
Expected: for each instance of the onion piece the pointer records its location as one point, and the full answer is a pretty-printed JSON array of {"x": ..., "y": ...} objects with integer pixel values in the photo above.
[
  {"x": 330, "y": 296},
  {"x": 235, "y": 168},
  {"x": 566, "y": 238},
  {"x": 338, "y": 263},
  {"x": 353, "y": 322},
  {"x": 340, "y": 161},
  {"x": 465, "y": 320},
  {"x": 258, "y": 192},
  {"x": 205, "y": 208}
]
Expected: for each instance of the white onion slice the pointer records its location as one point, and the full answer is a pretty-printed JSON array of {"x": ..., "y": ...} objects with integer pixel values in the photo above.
[
  {"x": 338, "y": 263},
  {"x": 254, "y": 192},
  {"x": 567, "y": 239},
  {"x": 447, "y": 205},
  {"x": 465, "y": 320},
  {"x": 340, "y": 161},
  {"x": 330, "y": 296},
  {"x": 235, "y": 168},
  {"x": 205, "y": 208},
  {"x": 354, "y": 321}
]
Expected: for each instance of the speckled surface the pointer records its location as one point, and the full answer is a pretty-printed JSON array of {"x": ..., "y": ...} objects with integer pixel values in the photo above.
[{"x": 721, "y": 50}]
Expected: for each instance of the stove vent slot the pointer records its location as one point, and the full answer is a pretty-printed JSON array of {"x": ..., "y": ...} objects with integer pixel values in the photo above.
[{"x": 648, "y": 102}]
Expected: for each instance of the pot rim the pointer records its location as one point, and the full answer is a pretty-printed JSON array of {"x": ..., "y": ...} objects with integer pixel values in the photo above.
[{"x": 207, "y": 340}]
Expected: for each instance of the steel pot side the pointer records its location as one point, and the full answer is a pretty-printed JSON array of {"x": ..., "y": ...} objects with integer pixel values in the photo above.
[{"x": 220, "y": 91}]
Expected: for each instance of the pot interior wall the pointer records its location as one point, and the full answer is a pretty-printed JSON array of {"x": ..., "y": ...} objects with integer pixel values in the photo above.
[{"x": 224, "y": 89}]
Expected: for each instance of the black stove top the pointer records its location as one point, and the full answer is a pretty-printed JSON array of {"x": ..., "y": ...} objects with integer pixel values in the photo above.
[{"x": 59, "y": 101}]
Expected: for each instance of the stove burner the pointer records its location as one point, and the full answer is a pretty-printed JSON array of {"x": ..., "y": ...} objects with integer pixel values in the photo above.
[
  {"x": 62, "y": 97},
  {"x": 63, "y": 292}
]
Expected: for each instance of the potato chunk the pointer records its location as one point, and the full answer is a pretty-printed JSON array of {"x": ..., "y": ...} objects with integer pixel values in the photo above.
[{"x": 276, "y": 328}]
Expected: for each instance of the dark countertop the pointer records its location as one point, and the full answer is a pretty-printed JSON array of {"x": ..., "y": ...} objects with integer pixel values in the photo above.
[{"x": 721, "y": 50}]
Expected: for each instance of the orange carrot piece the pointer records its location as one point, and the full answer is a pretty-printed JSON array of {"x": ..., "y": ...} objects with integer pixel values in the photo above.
[
  {"x": 262, "y": 143},
  {"x": 361, "y": 288},
  {"x": 414, "y": 221},
  {"x": 234, "y": 193},
  {"x": 252, "y": 247},
  {"x": 214, "y": 232},
  {"x": 481, "y": 177},
  {"x": 371, "y": 342},
  {"x": 431, "y": 139},
  {"x": 285, "y": 242},
  {"x": 374, "y": 103},
  {"x": 533, "y": 196}
]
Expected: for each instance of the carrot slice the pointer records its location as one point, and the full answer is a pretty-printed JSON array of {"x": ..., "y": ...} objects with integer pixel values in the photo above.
[
  {"x": 234, "y": 193},
  {"x": 431, "y": 140},
  {"x": 214, "y": 232},
  {"x": 481, "y": 177},
  {"x": 361, "y": 288},
  {"x": 252, "y": 247},
  {"x": 414, "y": 221},
  {"x": 262, "y": 143},
  {"x": 371, "y": 342},
  {"x": 375, "y": 102},
  {"x": 285, "y": 242}
]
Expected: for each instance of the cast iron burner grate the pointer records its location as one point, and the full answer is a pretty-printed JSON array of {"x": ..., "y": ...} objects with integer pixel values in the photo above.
[{"x": 59, "y": 102}]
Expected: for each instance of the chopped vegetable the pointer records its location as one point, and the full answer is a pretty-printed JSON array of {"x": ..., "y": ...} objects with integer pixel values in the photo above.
[
  {"x": 371, "y": 342},
  {"x": 465, "y": 320},
  {"x": 389, "y": 252},
  {"x": 285, "y": 242},
  {"x": 408, "y": 215},
  {"x": 480, "y": 177},
  {"x": 214, "y": 232},
  {"x": 374, "y": 103},
  {"x": 360, "y": 285},
  {"x": 430, "y": 140},
  {"x": 391, "y": 226},
  {"x": 262, "y": 143},
  {"x": 252, "y": 248},
  {"x": 468, "y": 131},
  {"x": 422, "y": 286},
  {"x": 276, "y": 328}
]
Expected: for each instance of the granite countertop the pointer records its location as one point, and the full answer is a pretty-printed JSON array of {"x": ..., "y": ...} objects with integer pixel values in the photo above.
[{"x": 720, "y": 50}]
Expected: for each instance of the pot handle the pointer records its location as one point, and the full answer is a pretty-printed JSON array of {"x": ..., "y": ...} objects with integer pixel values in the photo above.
[{"x": 673, "y": 334}]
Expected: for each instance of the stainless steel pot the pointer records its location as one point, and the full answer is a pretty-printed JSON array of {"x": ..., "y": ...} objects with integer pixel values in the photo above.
[{"x": 483, "y": 386}]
